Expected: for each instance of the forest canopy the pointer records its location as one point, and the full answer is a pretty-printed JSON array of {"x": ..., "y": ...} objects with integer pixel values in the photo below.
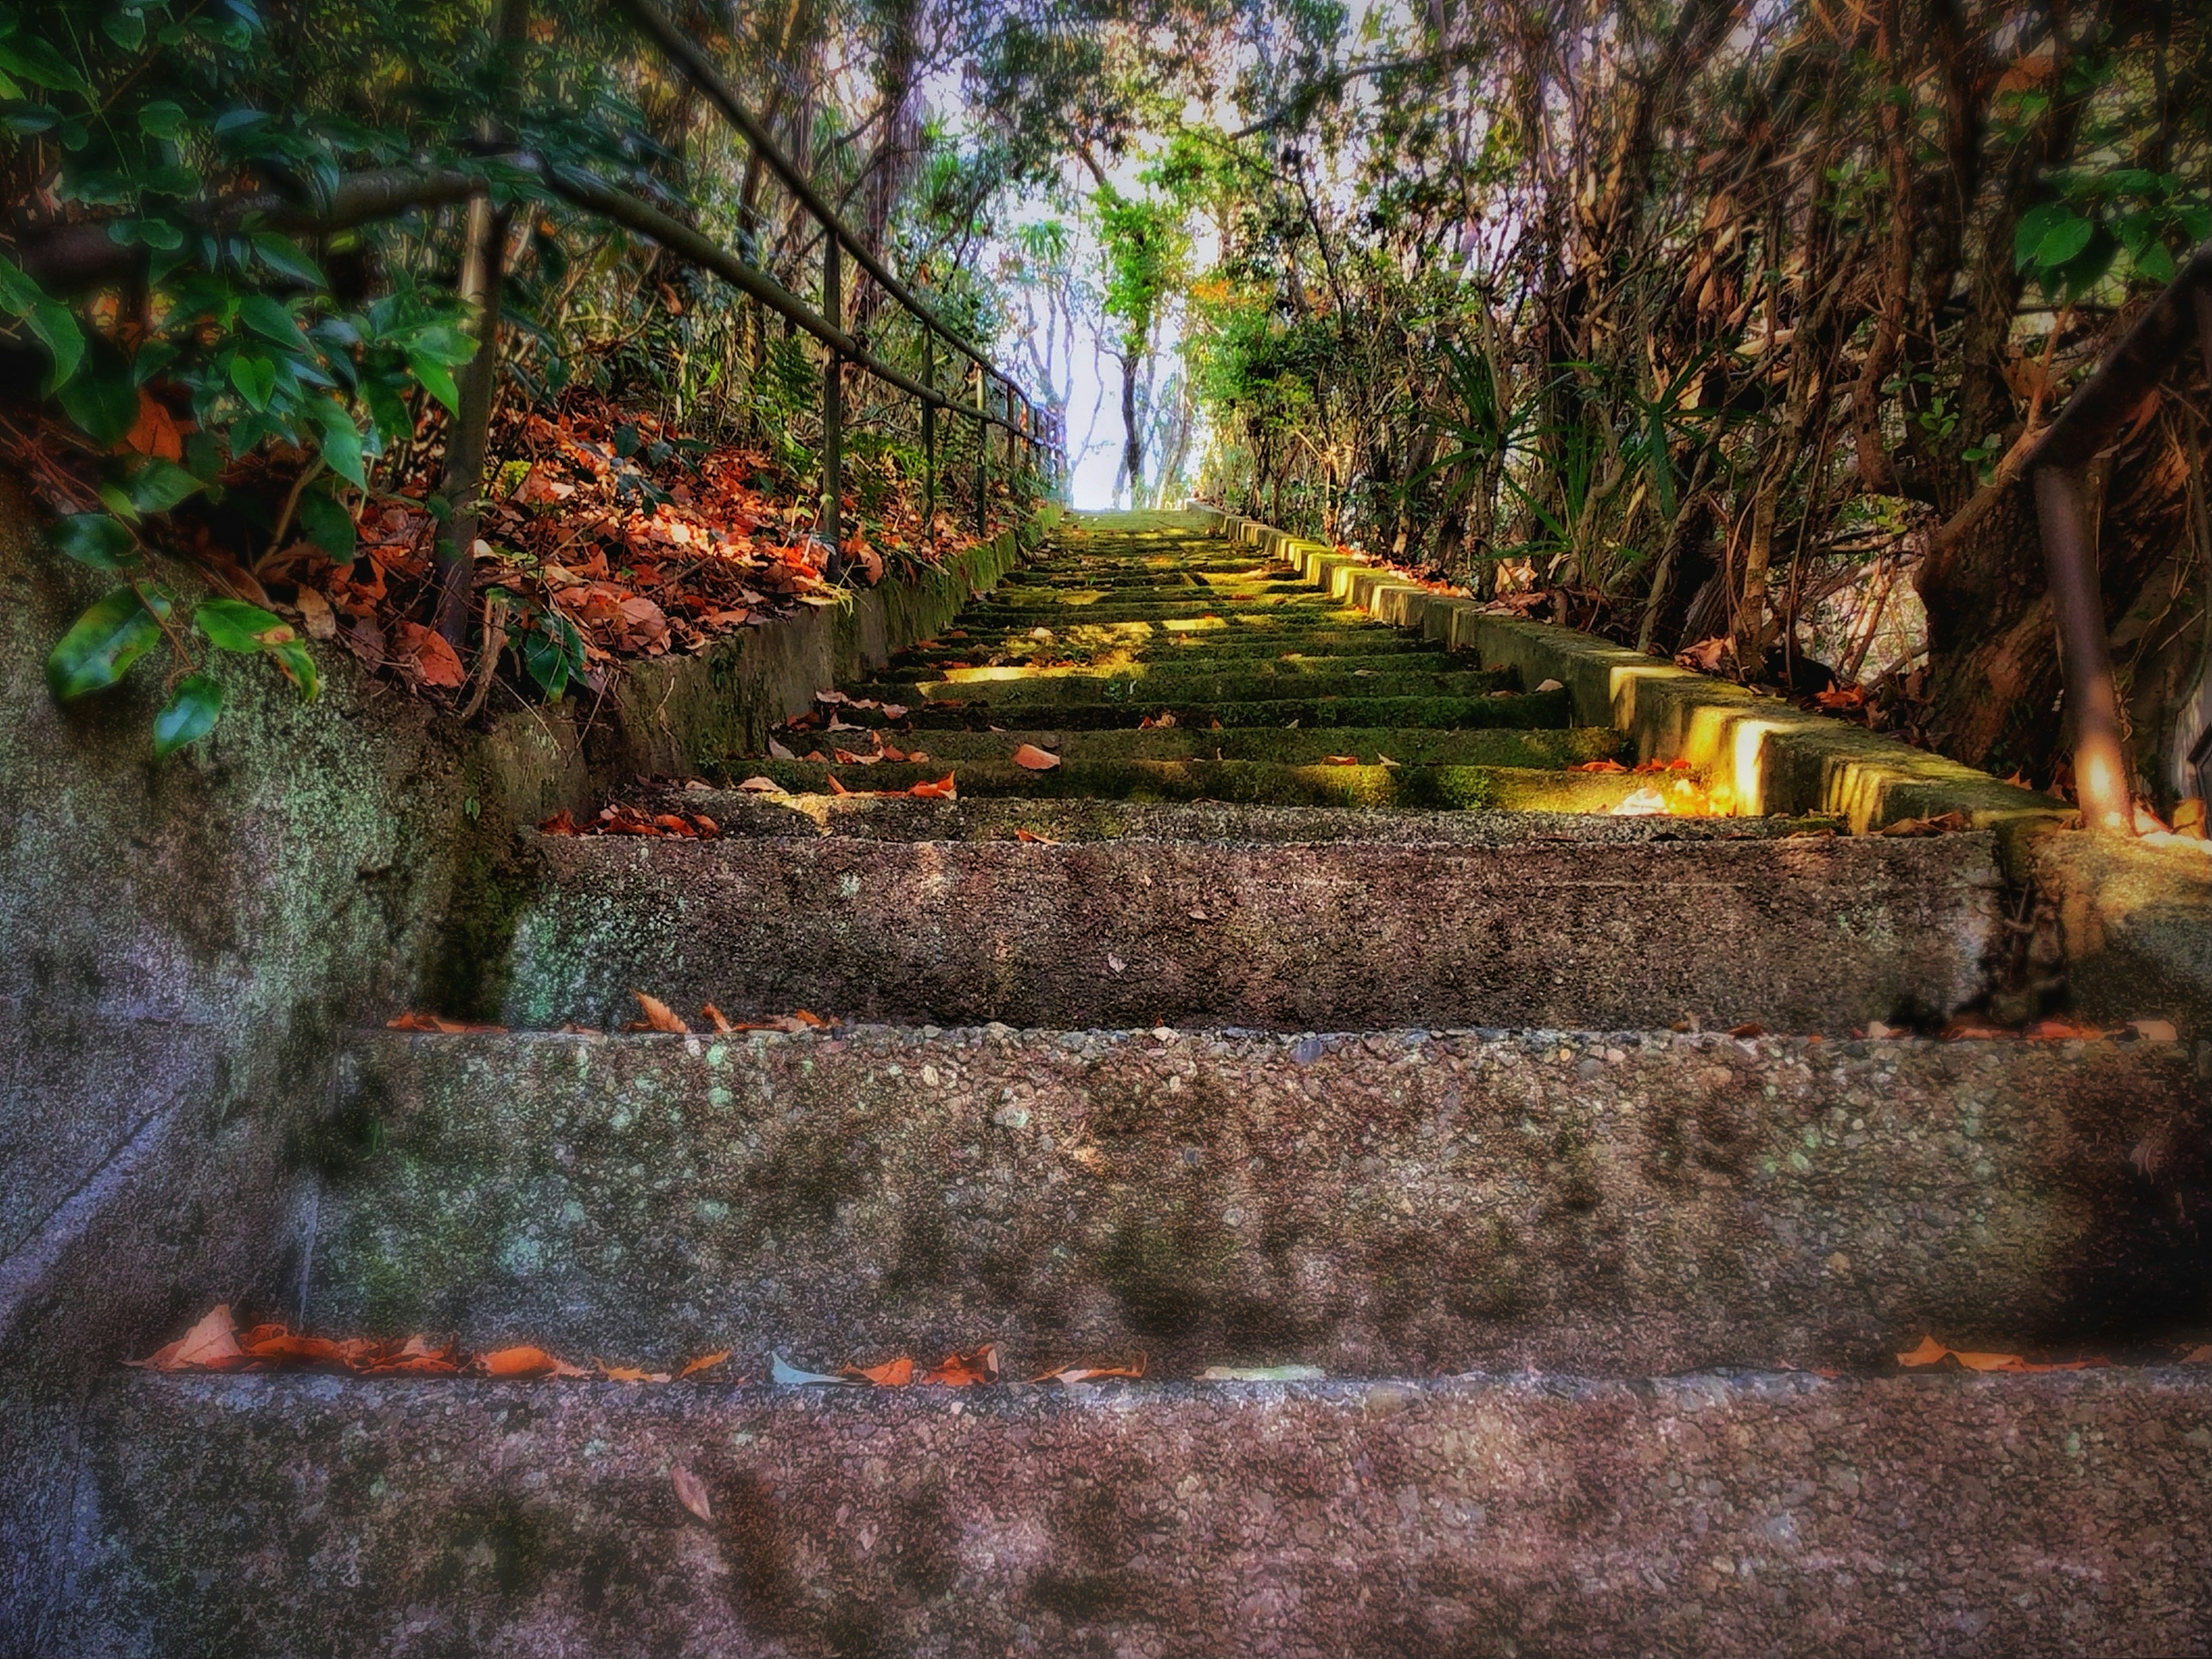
[{"x": 1719, "y": 328}]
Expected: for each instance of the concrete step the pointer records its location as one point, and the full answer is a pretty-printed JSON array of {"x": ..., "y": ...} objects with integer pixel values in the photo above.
[
  {"x": 1631, "y": 929},
  {"x": 1216, "y": 647},
  {"x": 1392, "y": 1203},
  {"x": 1188, "y": 687},
  {"x": 1453, "y": 788},
  {"x": 1413, "y": 746},
  {"x": 1739, "y": 1514},
  {"x": 1189, "y": 661},
  {"x": 1520, "y": 710}
]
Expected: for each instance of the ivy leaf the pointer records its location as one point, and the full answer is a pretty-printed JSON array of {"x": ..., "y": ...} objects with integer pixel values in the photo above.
[
  {"x": 2153, "y": 264},
  {"x": 2062, "y": 241},
  {"x": 57, "y": 330},
  {"x": 297, "y": 664},
  {"x": 235, "y": 625},
  {"x": 283, "y": 255},
  {"x": 328, "y": 525},
  {"x": 189, "y": 715},
  {"x": 100, "y": 648},
  {"x": 437, "y": 380},
  {"x": 2035, "y": 224},
  {"x": 96, "y": 539},
  {"x": 103, "y": 398},
  {"x": 255, "y": 377},
  {"x": 30, "y": 58},
  {"x": 159, "y": 485},
  {"x": 271, "y": 320},
  {"x": 163, "y": 118}
]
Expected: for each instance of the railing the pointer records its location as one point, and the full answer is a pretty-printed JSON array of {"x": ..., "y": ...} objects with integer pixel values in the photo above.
[
  {"x": 2092, "y": 418},
  {"x": 1032, "y": 432}
]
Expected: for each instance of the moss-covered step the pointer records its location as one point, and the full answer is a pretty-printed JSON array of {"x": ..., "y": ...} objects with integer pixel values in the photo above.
[
  {"x": 1396, "y": 1203},
  {"x": 1523, "y": 709},
  {"x": 1409, "y": 746},
  {"x": 1259, "y": 783},
  {"x": 1189, "y": 664},
  {"x": 1220, "y": 650},
  {"x": 1555, "y": 930},
  {"x": 1013, "y": 688}
]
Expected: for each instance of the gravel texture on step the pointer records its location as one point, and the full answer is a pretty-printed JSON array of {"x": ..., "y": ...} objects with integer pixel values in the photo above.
[
  {"x": 1501, "y": 709},
  {"x": 1805, "y": 935},
  {"x": 1747, "y": 1515},
  {"x": 1181, "y": 687},
  {"x": 1417, "y": 745},
  {"x": 1395, "y": 1203}
]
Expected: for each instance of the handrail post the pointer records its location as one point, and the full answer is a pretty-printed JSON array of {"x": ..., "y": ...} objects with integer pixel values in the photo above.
[
  {"x": 982, "y": 457},
  {"x": 833, "y": 407},
  {"x": 2085, "y": 655},
  {"x": 928, "y": 434}
]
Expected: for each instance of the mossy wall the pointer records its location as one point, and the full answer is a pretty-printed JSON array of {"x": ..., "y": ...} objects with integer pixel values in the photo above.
[{"x": 182, "y": 943}]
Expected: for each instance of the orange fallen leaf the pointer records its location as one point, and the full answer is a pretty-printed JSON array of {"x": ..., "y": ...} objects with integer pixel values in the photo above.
[
  {"x": 629, "y": 1373},
  {"x": 559, "y": 824},
  {"x": 1340, "y": 760},
  {"x": 806, "y": 1018},
  {"x": 762, "y": 785},
  {"x": 412, "y": 1021},
  {"x": 2155, "y": 1030},
  {"x": 691, "y": 1492},
  {"x": 210, "y": 1346},
  {"x": 962, "y": 1371},
  {"x": 658, "y": 1016},
  {"x": 523, "y": 1363},
  {"x": 705, "y": 1362},
  {"x": 837, "y": 788},
  {"x": 1032, "y": 758},
  {"x": 721, "y": 1020},
  {"x": 2062, "y": 1030},
  {"x": 155, "y": 432},
  {"x": 425, "y": 650},
  {"x": 1032, "y": 836},
  {"x": 277, "y": 1347},
  {"x": 891, "y": 1374},
  {"x": 1599, "y": 766},
  {"x": 1927, "y": 1353},
  {"x": 1750, "y": 1028},
  {"x": 418, "y": 1356},
  {"x": 941, "y": 790},
  {"x": 2199, "y": 1355}
]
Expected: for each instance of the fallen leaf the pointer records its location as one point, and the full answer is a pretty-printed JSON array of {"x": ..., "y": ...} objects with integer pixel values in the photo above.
[
  {"x": 962, "y": 1371},
  {"x": 412, "y": 1021},
  {"x": 1551, "y": 685},
  {"x": 1975, "y": 1030},
  {"x": 211, "y": 1344},
  {"x": 1073, "y": 1374},
  {"x": 762, "y": 785},
  {"x": 785, "y": 1375},
  {"x": 316, "y": 615},
  {"x": 522, "y": 1362},
  {"x": 559, "y": 824},
  {"x": 705, "y": 1362},
  {"x": 721, "y": 1020},
  {"x": 691, "y": 1492},
  {"x": 1643, "y": 804},
  {"x": 805, "y": 1018},
  {"x": 1879, "y": 1031},
  {"x": 418, "y": 1356},
  {"x": 2155, "y": 1030},
  {"x": 1340, "y": 760},
  {"x": 893, "y": 711},
  {"x": 780, "y": 751},
  {"x": 943, "y": 789},
  {"x": 1750, "y": 1028},
  {"x": 155, "y": 432},
  {"x": 1035, "y": 839},
  {"x": 658, "y": 1016},
  {"x": 1599, "y": 766},
  {"x": 1035, "y": 759},
  {"x": 1928, "y": 1352},
  {"x": 2062, "y": 1030},
  {"x": 425, "y": 652},
  {"x": 1943, "y": 823},
  {"x": 891, "y": 1374},
  {"x": 2199, "y": 1355},
  {"x": 629, "y": 1374}
]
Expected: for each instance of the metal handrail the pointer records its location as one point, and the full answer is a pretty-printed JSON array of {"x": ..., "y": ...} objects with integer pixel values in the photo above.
[{"x": 2090, "y": 420}]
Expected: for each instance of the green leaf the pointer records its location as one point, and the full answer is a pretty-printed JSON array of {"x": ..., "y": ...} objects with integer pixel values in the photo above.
[
  {"x": 33, "y": 59},
  {"x": 328, "y": 525},
  {"x": 437, "y": 380},
  {"x": 271, "y": 320},
  {"x": 189, "y": 715},
  {"x": 159, "y": 485},
  {"x": 255, "y": 377},
  {"x": 103, "y": 398},
  {"x": 2035, "y": 224},
  {"x": 96, "y": 539},
  {"x": 297, "y": 663},
  {"x": 283, "y": 255},
  {"x": 2153, "y": 264},
  {"x": 99, "y": 650},
  {"x": 18, "y": 293},
  {"x": 2063, "y": 240},
  {"x": 162, "y": 119},
  {"x": 56, "y": 328},
  {"x": 235, "y": 625}
]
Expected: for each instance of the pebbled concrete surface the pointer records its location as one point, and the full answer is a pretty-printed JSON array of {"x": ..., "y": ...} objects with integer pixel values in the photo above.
[
  {"x": 1395, "y": 1203},
  {"x": 1798, "y": 935},
  {"x": 1704, "y": 1514}
]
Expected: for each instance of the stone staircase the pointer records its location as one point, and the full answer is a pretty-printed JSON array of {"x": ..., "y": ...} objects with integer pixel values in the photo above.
[{"x": 1245, "y": 1058}]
